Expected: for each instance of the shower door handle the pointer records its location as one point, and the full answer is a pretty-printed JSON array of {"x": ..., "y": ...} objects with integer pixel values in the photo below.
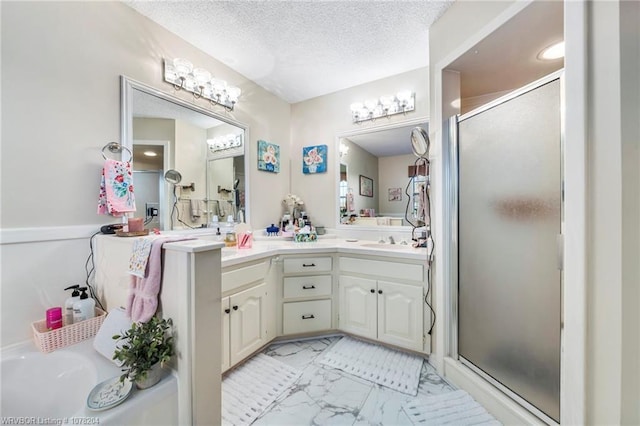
[{"x": 560, "y": 249}]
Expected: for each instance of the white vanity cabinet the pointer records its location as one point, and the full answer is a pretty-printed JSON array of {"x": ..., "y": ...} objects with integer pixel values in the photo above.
[
  {"x": 382, "y": 300},
  {"x": 307, "y": 288},
  {"x": 247, "y": 311}
]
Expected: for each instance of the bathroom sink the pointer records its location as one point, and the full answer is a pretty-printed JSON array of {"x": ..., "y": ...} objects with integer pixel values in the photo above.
[
  {"x": 51, "y": 385},
  {"x": 386, "y": 246}
]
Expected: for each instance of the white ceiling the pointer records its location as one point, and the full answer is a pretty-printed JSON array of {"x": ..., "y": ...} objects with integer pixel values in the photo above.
[
  {"x": 389, "y": 142},
  {"x": 302, "y": 49}
]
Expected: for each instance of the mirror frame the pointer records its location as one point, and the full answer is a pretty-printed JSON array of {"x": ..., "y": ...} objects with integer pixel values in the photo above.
[
  {"x": 358, "y": 132},
  {"x": 128, "y": 85}
]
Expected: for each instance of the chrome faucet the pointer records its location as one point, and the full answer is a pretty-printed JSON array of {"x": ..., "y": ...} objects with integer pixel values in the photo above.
[{"x": 391, "y": 240}]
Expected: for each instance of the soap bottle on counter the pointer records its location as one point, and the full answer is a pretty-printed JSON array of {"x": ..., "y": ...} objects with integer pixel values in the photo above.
[
  {"x": 84, "y": 308},
  {"x": 68, "y": 304}
]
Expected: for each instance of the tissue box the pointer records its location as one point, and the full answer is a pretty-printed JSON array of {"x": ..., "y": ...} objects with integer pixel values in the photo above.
[{"x": 305, "y": 238}]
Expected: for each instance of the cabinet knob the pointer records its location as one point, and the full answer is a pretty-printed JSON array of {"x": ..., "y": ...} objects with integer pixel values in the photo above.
[
  {"x": 379, "y": 291},
  {"x": 226, "y": 311},
  {"x": 373, "y": 291},
  {"x": 235, "y": 307}
]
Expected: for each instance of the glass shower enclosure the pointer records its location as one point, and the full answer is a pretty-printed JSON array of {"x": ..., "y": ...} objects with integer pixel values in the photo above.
[{"x": 509, "y": 244}]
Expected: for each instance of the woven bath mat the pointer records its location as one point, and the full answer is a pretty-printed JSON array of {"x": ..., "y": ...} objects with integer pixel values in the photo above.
[
  {"x": 249, "y": 390},
  {"x": 387, "y": 367},
  {"x": 454, "y": 408}
]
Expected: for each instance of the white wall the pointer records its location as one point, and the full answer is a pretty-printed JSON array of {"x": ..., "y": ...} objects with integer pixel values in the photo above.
[
  {"x": 61, "y": 63},
  {"x": 393, "y": 173},
  {"x": 360, "y": 162},
  {"x": 318, "y": 121}
]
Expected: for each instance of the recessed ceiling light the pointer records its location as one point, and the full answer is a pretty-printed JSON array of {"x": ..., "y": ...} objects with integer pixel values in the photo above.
[
  {"x": 555, "y": 51},
  {"x": 150, "y": 153}
]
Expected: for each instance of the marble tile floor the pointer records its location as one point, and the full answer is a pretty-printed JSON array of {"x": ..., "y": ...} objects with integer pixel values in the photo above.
[{"x": 326, "y": 396}]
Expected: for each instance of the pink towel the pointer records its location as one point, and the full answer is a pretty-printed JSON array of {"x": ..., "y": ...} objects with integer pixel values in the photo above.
[
  {"x": 116, "y": 189},
  {"x": 142, "y": 301}
]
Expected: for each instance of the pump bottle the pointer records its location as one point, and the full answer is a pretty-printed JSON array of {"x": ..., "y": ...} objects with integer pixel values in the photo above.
[
  {"x": 84, "y": 308},
  {"x": 68, "y": 304}
]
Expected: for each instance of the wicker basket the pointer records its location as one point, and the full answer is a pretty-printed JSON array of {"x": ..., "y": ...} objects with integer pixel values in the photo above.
[{"x": 50, "y": 340}]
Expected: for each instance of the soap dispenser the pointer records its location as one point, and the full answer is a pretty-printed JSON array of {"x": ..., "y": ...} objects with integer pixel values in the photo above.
[
  {"x": 68, "y": 304},
  {"x": 84, "y": 308}
]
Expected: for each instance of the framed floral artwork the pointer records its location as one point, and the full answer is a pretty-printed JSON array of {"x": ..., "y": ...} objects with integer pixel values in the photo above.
[
  {"x": 366, "y": 186},
  {"x": 395, "y": 194},
  {"x": 268, "y": 157},
  {"x": 314, "y": 159}
]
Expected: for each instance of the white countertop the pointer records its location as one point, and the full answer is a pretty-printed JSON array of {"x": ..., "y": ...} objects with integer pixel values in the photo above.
[{"x": 265, "y": 247}]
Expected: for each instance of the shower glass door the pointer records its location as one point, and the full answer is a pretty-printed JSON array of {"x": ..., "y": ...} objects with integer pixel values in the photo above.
[{"x": 509, "y": 219}]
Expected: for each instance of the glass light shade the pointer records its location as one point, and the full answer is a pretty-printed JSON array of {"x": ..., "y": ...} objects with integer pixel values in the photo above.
[
  {"x": 404, "y": 96},
  {"x": 386, "y": 101},
  {"x": 170, "y": 71},
  {"x": 234, "y": 93},
  {"x": 219, "y": 86},
  {"x": 371, "y": 104},
  {"x": 356, "y": 106},
  {"x": 201, "y": 76},
  {"x": 182, "y": 67}
]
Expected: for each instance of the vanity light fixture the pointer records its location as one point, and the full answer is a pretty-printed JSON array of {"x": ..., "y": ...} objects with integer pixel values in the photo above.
[
  {"x": 386, "y": 106},
  {"x": 344, "y": 149},
  {"x": 226, "y": 142},
  {"x": 183, "y": 76}
]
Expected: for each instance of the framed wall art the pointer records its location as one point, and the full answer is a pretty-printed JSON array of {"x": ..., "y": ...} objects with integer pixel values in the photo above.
[
  {"x": 366, "y": 186},
  {"x": 395, "y": 194},
  {"x": 268, "y": 157},
  {"x": 314, "y": 159}
]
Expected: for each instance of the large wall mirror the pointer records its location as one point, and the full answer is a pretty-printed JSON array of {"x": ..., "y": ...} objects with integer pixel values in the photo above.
[
  {"x": 375, "y": 175},
  {"x": 207, "y": 149}
]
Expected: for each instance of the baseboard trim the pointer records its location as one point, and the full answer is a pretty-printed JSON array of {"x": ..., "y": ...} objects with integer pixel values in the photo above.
[
  {"x": 503, "y": 408},
  {"x": 47, "y": 233}
]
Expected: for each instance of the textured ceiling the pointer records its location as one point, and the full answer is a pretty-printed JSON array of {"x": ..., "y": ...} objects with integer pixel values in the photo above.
[{"x": 302, "y": 49}]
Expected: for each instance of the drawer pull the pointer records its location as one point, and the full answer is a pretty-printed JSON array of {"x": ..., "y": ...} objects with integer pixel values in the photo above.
[
  {"x": 235, "y": 307},
  {"x": 226, "y": 311},
  {"x": 308, "y": 287},
  {"x": 308, "y": 317},
  {"x": 308, "y": 265},
  {"x": 373, "y": 291}
]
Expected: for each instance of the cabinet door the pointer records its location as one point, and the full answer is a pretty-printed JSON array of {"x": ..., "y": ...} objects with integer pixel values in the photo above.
[
  {"x": 358, "y": 306},
  {"x": 248, "y": 331},
  {"x": 400, "y": 314},
  {"x": 226, "y": 314}
]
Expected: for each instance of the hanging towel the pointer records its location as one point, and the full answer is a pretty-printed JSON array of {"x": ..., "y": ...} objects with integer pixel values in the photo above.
[
  {"x": 142, "y": 301},
  {"x": 140, "y": 255},
  {"x": 116, "y": 189},
  {"x": 350, "y": 203},
  {"x": 197, "y": 209}
]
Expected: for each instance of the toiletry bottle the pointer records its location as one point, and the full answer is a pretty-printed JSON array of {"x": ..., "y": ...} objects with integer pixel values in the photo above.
[
  {"x": 84, "y": 308},
  {"x": 68, "y": 304},
  {"x": 54, "y": 318}
]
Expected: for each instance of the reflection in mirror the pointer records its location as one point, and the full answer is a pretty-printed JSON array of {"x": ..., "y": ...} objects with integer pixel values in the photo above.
[
  {"x": 384, "y": 155},
  {"x": 169, "y": 135}
]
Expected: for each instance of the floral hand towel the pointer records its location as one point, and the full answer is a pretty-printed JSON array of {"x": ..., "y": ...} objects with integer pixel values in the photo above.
[{"x": 116, "y": 189}]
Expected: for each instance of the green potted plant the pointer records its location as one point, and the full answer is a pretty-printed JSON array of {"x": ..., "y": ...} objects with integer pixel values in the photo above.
[{"x": 145, "y": 349}]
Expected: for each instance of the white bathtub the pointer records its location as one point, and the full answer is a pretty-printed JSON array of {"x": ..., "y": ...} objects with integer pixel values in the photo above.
[{"x": 53, "y": 388}]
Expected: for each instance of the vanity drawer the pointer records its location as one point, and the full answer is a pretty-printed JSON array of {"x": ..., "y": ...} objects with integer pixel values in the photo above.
[
  {"x": 304, "y": 317},
  {"x": 380, "y": 268},
  {"x": 307, "y": 264},
  {"x": 243, "y": 276},
  {"x": 308, "y": 286}
]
